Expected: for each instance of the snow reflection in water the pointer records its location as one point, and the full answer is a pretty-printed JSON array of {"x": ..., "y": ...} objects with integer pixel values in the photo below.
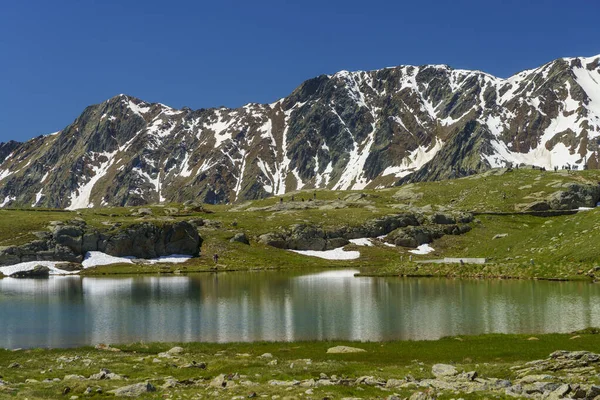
[{"x": 72, "y": 311}]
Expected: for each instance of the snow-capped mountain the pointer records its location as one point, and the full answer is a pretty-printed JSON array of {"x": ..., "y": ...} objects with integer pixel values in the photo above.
[{"x": 351, "y": 130}]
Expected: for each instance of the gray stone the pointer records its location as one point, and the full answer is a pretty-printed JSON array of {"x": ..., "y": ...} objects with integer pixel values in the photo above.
[
  {"x": 394, "y": 383},
  {"x": 74, "y": 378},
  {"x": 419, "y": 396},
  {"x": 442, "y": 370},
  {"x": 69, "y": 267},
  {"x": 559, "y": 393},
  {"x": 344, "y": 349},
  {"x": 218, "y": 381},
  {"x": 444, "y": 219},
  {"x": 240, "y": 238},
  {"x": 39, "y": 271},
  {"x": 175, "y": 350},
  {"x": 593, "y": 392},
  {"x": 134, "y": 390}
]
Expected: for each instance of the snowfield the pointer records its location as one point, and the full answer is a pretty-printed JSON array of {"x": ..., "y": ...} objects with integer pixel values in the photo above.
[
  {"x": 92, "y": 259},
  {"x": 335, "y": 254}
]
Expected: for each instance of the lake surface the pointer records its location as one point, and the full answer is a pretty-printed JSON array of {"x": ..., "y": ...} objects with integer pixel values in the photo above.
[{"x": 282, "y": 306}]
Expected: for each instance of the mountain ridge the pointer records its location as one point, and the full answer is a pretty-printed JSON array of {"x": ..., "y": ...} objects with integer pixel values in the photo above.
[{"x": 349, "y": 130}]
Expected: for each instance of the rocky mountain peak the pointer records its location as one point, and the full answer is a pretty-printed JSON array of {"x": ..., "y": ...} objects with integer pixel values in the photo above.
[{"x": 349, "y": 130}]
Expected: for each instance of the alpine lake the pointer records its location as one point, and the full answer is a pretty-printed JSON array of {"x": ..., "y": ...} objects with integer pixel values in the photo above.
[{"x": 72, "y": 311}]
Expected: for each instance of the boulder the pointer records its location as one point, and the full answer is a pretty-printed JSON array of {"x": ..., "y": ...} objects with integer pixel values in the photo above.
[
  {"x": 134, "y": 390},
  {"x": 197, "y": 222},
  {"x": 140, "y": 212},
  {"x": 273, "y": 239},
  {"x": 10, "y": 255},
  {"x": 534, "y": 206},
  {"x": 69, "y": 266},
  {"x": 39, "y": 271},
  {"x": 443, "y": 370},
  {"x": 575, "y": 195},
  {"x": 444, "y": 219},
  {"x": 344, "y": 349},
  {"x": 334, "y": 243},
  {"x": 67, "y": 230},
  {"x": 240, "y": 238},
  {"x": 412, "y": 236},
  {"x": 175, "y": 350}
]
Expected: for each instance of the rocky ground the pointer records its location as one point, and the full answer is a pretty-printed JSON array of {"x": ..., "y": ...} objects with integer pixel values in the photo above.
[{"x": 309, "y": 370}]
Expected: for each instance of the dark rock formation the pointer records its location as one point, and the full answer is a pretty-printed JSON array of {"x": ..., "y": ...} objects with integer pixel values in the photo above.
[
  {"x": 39, "y": 271},
  {"x": 406, "y": 230},
  {"x": 71, "y": 241}
]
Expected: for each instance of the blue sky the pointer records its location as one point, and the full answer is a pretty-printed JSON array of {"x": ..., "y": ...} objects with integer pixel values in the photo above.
[{"x": 57, "y": 57}]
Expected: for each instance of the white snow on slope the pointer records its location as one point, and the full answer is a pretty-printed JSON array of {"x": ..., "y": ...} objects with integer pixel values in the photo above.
[
  {"x": 335, "y": 254},
  {"x": 422, "y": 249},
  {"x": 38, "y": 197},
  {"x": 5, "y": 174},
  {"x": 361, "y": 242},
  {"x": 28, "y": 266},
  {"x": 80, "y": 198},
  {"x": 7, "y": 200},
  {"x": 92, "y": 259},
  {"x": 415, "y": 160},
  {"x": 153, "y": 181},
  {"x": 97, "y": 258},
  {"x": 137, "y": 109},
  {"x": 220, "y": 127}
]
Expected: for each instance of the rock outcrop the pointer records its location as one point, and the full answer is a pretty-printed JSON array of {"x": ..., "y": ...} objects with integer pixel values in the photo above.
[
  {"x": 570, "y": 197},
  {"x": 39, "y": 271},
  {"x": 407, "y": 230},
  {"x": 72, "y": 240}
]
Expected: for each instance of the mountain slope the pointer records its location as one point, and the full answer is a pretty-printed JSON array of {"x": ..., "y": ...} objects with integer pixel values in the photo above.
[{"x": 350, "y": 130}]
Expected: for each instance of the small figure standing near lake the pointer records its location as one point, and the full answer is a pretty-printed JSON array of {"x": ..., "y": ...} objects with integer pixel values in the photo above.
[{"x": 216, "y": 258}]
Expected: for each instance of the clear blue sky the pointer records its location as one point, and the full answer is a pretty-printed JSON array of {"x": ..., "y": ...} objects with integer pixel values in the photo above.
[{"x": 59, "y": 56}]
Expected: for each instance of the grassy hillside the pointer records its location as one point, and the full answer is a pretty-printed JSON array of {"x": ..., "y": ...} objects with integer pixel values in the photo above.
[{"x": 531, "y": 246}]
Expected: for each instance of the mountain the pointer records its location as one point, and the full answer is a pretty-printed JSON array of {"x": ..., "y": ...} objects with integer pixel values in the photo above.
[{"x": 350, "y": 130}]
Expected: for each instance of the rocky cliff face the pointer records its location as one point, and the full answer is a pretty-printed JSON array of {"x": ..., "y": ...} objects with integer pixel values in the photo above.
[{"x": 351, "y": 130}]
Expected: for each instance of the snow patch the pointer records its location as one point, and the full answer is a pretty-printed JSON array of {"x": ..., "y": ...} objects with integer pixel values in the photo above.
[
  {"x": 7, "y": 200},
  {"x": 362, "y": 242},
  {"x": 422, "y": 249},
  {"x": 97, "y": 258},
  {"x": 80, "y": 198},
  {"x": 28, "y": 266},
  {"x": 415, "y": 160},
  {"x": 335, "y": 254},
  {"x": 138, "y": 109}
]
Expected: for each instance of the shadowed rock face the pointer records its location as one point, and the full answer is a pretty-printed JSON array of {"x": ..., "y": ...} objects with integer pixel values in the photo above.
[
  {"x": 350, "y": 130},
  {"x": 70, "y": 242}
]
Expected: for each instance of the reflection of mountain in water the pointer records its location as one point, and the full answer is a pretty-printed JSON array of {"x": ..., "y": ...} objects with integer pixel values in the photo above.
[{"x": 68, "y": 311}]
